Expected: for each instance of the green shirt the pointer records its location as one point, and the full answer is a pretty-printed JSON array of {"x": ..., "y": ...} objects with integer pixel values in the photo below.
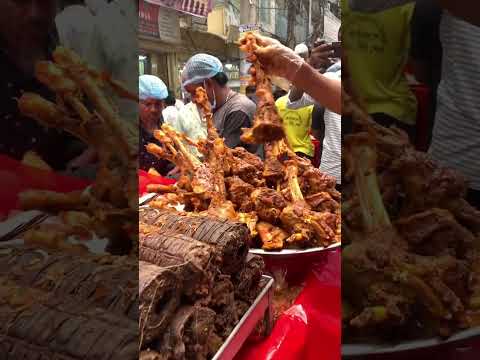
[
  {"x": 297, "y": 124},
  {"x": 377, "y": 50}
]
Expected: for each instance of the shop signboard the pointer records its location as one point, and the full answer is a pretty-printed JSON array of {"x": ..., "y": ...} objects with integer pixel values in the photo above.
[
  {"x": 192, "y": 7},
  {"x": 331, "y": 26},
  {"x": 169, "y": 26},
  {"x": 148, "y": 19},
  {"x": 159, "y": 22},
  {"x": 232, "y": 71},
  {"x": 249, "y": 27}
]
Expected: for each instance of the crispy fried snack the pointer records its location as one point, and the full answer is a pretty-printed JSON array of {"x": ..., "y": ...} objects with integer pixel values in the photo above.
[{"x": 83, "y": 109}]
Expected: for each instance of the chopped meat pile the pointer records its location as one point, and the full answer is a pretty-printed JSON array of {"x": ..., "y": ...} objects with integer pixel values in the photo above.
[
  {"x": 285, "y": 201},
  {"x": 411, "y": 261}
]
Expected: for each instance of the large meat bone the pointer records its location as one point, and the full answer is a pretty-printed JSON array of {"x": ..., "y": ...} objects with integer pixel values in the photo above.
[
  {"x": 305, "y": 224},
  {"x": 267, "y": 124},
  {"x": 90, "y": 132},
  {"x": 201, "y": 99},
  {"x": 49, "y": 114},
  {"x": 70, "y": 68},
  {"x": 79, "y": 72},
  {"x": 173, "y": 149},
  {"x": 361, "y": 163},
  {"x": 57, "y": 80},
  {"x": 172, "y": 141},
  {"x": 126, "y": 137},
  {"x": 216, "y": 153}
]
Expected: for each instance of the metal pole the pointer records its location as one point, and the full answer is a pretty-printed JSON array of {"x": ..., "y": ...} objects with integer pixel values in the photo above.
[
  {"x": 244, "y": 11},
  {"x": 310, "y": 26}
]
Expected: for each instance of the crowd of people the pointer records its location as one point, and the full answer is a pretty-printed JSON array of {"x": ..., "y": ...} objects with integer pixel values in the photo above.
[
  {"x": 439, "y": 40},
  {"x": 305, "y": 117},
  {"x": 30, "y": 32},
  {"x": 380, "y": 37}
]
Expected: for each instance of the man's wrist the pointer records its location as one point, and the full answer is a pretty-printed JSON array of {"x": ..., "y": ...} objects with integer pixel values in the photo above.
[{"x": 300, "y": 74}]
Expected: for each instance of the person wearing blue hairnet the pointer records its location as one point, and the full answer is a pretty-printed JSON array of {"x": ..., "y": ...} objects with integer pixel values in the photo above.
[
  {"x": 152, "y": 93},
  {"x": 231, "y": 111}
]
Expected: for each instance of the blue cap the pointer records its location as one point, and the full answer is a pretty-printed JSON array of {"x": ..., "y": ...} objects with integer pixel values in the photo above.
[
  {"x": 151, "y": 87},
  {"x": 200, "y": 67}
]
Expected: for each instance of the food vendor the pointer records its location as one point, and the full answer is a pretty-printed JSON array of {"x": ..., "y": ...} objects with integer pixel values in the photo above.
[
  {"x": 152, "y": 93},
  {"x": 231, "y": 111}
]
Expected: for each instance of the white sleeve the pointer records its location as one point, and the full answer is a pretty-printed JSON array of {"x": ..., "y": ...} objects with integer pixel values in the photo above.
[
  {"x": 376, "y": 5},
  {"x": 307, "y": 100},
  {"x": 304, "y": 101}
]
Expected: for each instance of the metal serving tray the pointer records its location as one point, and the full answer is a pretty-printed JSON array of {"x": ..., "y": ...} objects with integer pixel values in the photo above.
[
  {"x": 364, "y": 349},
  {"x": 261, "y": 309},
  {"x": 288, "y": 253}
]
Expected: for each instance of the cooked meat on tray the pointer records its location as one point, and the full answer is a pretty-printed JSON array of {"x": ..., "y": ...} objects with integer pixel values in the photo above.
[
  {"x": 285, "y": 201},
  {"x": 196, "y": 282},
  {"x": 411, "y": 261}
]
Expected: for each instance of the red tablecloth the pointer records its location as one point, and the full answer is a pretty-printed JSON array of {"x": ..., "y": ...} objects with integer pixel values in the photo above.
[
  {"x": 16, "y": 177},
  {"x": 144, "y": 178},
  {"x": 311, "y": 328}
]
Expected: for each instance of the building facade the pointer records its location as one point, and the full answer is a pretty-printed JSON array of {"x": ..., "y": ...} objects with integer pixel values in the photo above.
[{"x": 171, "y": 31}]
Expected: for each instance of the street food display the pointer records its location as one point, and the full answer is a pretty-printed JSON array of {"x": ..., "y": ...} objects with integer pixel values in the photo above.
[
  {"x": 195, "y": 283},
  {"x": 58, "y": 299},
  {"x": 59, "y": 305},
  {"x": 82, "y": 108},
  {"x": 410, "y": 267},
  {"x": 285, "y": 201}
]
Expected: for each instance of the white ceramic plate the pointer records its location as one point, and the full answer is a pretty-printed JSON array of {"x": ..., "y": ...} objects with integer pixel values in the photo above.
[
  {"x": 353, "y": 350},
  {"x": 293, "y": 252}
]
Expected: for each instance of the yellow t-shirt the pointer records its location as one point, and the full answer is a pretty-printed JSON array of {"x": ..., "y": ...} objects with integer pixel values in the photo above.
[
  {"x": 377, "y": 50},
  {"x": 297, "y": 124}
]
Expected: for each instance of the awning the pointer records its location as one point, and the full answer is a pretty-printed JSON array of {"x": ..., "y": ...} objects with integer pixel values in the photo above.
[{"x": 192, "y": 7}]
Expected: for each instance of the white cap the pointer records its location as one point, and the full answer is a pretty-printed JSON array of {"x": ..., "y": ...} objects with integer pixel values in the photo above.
[{"x": 301, "y": 49}]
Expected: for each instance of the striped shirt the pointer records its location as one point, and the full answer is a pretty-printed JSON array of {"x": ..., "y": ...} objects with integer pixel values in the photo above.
[
  {"x": 331, "y": 163},
  {"x": 456, "y": 134}
]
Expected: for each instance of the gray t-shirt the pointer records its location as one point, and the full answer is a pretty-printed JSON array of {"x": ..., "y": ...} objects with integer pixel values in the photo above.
[{"x": 231, "y": 117}]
